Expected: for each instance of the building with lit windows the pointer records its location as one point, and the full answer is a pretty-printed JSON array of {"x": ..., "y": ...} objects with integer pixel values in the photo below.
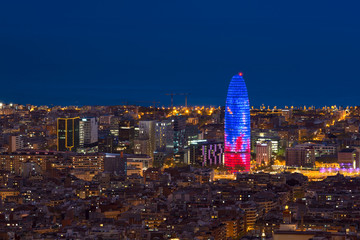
[
  {"x": 68, "y": 138},
  {"x": 15, "y": 143},
  {"x": 300, "y": 157},
  {"x": 259, "y": 136},
  {"x": 145, "y": 142},
  {"x": 349, "y": 158},
  {"x": 126, "y": 135},
  {"x": 237, "y": 125},
  {"x": 88, "y": 131},
  {"x": 93, "y": 162},
  {"x": 179, "y": 126},
  {"x": 164, "y": 136},
  {"x": 263, "y": 153},
  {"x": 204, "y": 153}
]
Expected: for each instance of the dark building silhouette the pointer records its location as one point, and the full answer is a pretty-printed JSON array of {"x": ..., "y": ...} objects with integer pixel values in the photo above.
[{"x": 68, "y": 138}]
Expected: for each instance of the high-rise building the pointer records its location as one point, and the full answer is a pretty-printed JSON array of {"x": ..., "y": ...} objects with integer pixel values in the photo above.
[
  {"x": 126, "y": 135},
  {"x": 114, "y": 126},
  {"x": 164, "y": 136},
  {"x": 179, "y": 123},
  {"x": 88, "y": 131},
  {"x": 146, "y": 138},
  {"x": 68, "y": 138},
  {"x": 191, "y": 134},
  {"x": 126, "y": 130},
  {"x": 237, "y": 125}
]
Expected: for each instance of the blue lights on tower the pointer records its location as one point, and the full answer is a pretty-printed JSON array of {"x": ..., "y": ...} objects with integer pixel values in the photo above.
[{"x": 237, "y": 125}]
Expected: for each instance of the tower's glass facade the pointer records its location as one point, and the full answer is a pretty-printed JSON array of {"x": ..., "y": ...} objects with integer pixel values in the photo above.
[
  {"x": 237, "y": 125},
  {"x": 68, "y": 134}
]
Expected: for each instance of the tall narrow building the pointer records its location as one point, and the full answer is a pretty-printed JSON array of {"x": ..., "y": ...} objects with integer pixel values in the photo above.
[
  {"x": 68, "y": 138},
  {"x": 145, "y": 143},
  {"x": 88, "y": 131},
  {"x": 237, "y": 125}
]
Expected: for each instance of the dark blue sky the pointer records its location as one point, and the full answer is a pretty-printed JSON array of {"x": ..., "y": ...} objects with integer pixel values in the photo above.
[{"x": 107, "y": 52}]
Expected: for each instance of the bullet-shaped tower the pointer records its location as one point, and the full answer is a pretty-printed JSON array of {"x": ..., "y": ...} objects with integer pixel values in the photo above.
[{"x": 237, "y": 125}]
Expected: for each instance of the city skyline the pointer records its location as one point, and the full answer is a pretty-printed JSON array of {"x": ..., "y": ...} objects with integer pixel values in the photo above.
[{"x": 179, "y": 120}]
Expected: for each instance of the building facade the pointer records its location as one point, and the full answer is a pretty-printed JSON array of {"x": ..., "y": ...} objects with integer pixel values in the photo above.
[
  {"x": 88, "y": 131},
  {"x": 263, "y": 153},
  {"x": 164, "y": 140},
  {"x": 300, "y": 157},
  {"x": 349, "y": 158},
  {"x": 68, "y": 138},
  {"x": 15, "y": 143},
  {"x": 237, "y": 125}
]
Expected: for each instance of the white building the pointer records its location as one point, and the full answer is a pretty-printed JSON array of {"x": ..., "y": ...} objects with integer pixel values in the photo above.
[{"x": 88, "y": 131}]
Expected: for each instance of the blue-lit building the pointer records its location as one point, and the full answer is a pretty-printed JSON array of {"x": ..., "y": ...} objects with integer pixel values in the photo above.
[{"x": 237, "y": 125}]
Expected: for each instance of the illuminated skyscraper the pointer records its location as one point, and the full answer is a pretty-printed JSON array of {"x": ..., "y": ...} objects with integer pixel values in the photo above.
[
  {"x": 68, "y": 134},
  {"x": 237, "y": 125}
]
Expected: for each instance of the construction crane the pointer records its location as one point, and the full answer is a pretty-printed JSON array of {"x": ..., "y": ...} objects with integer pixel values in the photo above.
[
  {"x": 172, "y": 97},
  {"x": 186, "y": 96}
]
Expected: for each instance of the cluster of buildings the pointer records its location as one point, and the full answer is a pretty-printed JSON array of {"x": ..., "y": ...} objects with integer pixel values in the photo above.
[
  {"x": 175, "y": 203},
  {"x": 131, "y": 172}
]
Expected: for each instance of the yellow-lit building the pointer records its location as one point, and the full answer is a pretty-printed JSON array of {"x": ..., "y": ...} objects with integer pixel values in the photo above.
[
  {"x": 8, "y": 192},
  {"x": 89, "y": 162}
]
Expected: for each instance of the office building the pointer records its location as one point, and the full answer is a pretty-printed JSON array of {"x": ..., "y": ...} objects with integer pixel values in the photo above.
[
  {"x": 126, "y": 136},
  {"x": 264, "y": 135},
  {"x": 237, "y": 125},
  {"x": 145, "y": 144},
  {"x": 126, "y": 130},
  {"x": 88, "y": 131},
  {"x": 179, "y": 124},
  {"x": 164, "y": 136},
  {"x": 114, "y": 126},
  {"x": 68, "y": 138}
]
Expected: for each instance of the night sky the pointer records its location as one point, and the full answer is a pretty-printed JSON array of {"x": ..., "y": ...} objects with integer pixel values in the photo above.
[{"x": 109, "y": 52}]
